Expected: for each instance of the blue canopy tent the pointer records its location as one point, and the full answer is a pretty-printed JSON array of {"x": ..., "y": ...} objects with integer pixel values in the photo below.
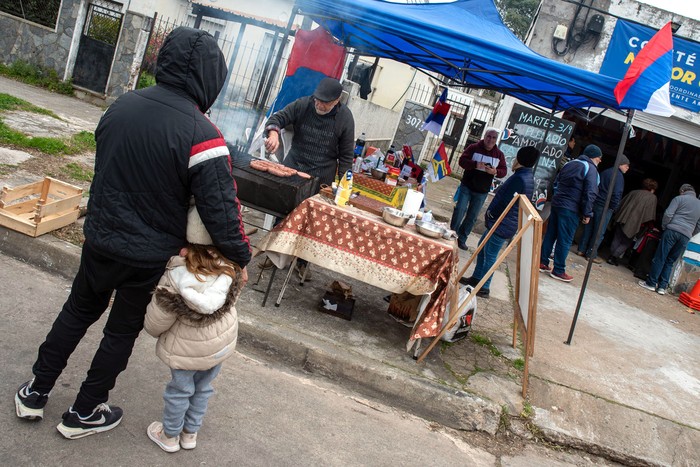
[{"x": 466, "y": 42}]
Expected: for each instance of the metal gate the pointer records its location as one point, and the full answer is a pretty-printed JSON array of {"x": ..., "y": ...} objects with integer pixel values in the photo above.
[{"x": 98, "y": 43}]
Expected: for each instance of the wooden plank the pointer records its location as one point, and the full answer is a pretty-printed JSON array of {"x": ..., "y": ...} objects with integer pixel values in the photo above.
[
  {"x": 17, "y": 223},
  {"x": 25, "y": 207},
  {"x": 57, "y": 207},
  {"x": 53, "y": 223},
  {"x": 61, "y": 189},
  {"x": 12, "y": 194}
]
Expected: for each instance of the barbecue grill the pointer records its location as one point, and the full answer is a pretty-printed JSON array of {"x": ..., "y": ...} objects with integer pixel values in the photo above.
[{"x": 269, "y": 193}]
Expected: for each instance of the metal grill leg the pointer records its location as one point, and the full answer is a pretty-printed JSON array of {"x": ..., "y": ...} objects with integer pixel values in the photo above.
[
  {"x": 286, "y": 281},
  {"x": 269, "y": 285}
]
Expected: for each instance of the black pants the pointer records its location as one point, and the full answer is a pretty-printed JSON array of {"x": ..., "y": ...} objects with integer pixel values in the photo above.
[{"x": 98, "y": 277}]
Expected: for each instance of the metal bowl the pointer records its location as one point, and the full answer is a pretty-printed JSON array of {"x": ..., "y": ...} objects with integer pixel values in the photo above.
[
  {"x": 429, "y": 229},
  {"x": 378, "y": 174},
  {"x": 395, "y": 217}
]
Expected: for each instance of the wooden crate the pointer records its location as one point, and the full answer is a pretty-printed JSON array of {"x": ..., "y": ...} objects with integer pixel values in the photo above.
[{"x": 39, "y": 207}]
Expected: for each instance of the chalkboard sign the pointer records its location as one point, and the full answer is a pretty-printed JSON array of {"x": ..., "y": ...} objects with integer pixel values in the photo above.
[
  {"x": 527, "y": 127},
  {"x": 408, "y": 132}
]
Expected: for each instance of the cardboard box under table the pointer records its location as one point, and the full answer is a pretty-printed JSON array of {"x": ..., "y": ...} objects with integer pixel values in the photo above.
[{"x": 37, "y": 208}]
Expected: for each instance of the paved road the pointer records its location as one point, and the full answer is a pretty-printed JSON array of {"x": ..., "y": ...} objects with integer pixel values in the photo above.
[{"x": 261, "y": 415}]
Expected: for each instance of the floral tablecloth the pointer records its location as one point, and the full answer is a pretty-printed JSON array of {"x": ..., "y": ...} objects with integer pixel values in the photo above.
[{"x": 362, "y": 246}]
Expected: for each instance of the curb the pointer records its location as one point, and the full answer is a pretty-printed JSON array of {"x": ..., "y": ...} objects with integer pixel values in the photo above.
[{"x": 274, "y": 343}]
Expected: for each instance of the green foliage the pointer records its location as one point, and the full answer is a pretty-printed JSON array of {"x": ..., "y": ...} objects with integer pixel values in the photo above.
[
  {"x": 528, "y": 410},
  {"x": 44, "y": 12},
  {"x": 145, "y": 80},
  {"x": 37, "y": 76},
  {"x": 517, "y": 14},
  {"x": 77, "y": 172},
  {"x": 519, "y": 364}
]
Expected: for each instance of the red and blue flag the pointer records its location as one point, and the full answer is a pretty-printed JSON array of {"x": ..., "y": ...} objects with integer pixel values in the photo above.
[
  {"x": 437, "y": 117},
  {"x": 439, "y": 167},
  {"x": 647, "y": 82}
]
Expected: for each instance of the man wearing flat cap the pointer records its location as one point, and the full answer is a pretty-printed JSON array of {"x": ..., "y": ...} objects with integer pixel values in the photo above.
[
  {"x": 575, "y": 190},
  {"x": 681, "y": 221},
  {"x": 585, "y": 246},
  {"x": 324, "y": 132}
]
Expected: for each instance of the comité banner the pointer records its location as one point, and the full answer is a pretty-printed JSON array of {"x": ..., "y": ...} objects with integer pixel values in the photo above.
[{"x": 629, "y": 38}]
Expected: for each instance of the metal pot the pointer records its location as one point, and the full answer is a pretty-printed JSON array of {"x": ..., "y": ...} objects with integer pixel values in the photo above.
[
  {"x": 395, "y": 217},
  {"x": 378, "y": 174},
  {"x": 429, "y": 229}
]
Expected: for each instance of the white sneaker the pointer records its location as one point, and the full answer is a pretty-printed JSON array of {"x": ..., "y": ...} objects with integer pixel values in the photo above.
[
  {"x": 188, "y": 440},
  {"x": 644, "y": 285},
  {"x": 158, "y": 436},
  {"x": 661, "y": 291}
]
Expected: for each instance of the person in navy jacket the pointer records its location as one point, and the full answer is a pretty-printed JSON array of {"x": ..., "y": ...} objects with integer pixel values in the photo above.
[
  {"x": 575, "y": 191},
  {"x": 585, "y": 246},
  {"x": 520, "y": 182}
]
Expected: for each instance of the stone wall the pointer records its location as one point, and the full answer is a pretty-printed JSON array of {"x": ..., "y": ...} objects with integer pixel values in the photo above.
[{"x": 39, "y": 45}]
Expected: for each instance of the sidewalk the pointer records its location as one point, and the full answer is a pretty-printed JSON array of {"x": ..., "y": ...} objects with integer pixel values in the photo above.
[{"x": 627, "y": 388}]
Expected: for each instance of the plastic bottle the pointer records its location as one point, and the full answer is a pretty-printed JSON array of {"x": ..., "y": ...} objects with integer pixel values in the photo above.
[
  {"x": 357, "y": 164},
  {"x": 360, "y": 145},
  {"x": 342, "y": 194}
]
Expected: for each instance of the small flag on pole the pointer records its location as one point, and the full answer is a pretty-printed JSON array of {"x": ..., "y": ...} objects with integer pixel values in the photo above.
[
  {"x": 437, "y": 117},
  {"x": 646, "y": 85},
  {"x": 438, "y": 167}
]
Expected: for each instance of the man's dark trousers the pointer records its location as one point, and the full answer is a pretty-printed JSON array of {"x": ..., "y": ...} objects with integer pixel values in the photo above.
[{"x": 98, "y": 277}]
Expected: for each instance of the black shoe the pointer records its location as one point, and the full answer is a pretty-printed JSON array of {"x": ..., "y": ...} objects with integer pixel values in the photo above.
[
  {"x": 471, "y": 281},
  {"x": 30, "y": 404},
  {"x": 103, "y": 418},
  {"x": 612, "y": 260},
  {"x": 462, "y": 246},
  {"x": 483, "y": 293}
]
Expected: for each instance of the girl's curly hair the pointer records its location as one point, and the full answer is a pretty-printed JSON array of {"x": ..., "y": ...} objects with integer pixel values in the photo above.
[{"x": 206, "y": 260}]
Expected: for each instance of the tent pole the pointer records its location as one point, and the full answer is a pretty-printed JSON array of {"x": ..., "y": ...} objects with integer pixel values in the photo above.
[
  {"x": 273, "y": 73},
  {"x": 546, "y": 133},
  {"x": 599, "y": 230}
]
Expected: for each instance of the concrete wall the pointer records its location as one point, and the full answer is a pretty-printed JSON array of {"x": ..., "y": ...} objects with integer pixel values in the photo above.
[{"x": 129, "y": 54}]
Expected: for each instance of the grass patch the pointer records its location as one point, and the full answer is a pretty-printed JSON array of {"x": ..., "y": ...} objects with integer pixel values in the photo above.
[
  {"x": 528, "y": 410},
  {"x": 8, "y": 102},
  {"x": 504, "y": 420},
  {"x": 38, "y": 76},
  {"x": 486, "y": 342},
  {"x": 77, "y": 172},
  {"x": 82, "y": 142},
  {"x": 519, "y": 364}
]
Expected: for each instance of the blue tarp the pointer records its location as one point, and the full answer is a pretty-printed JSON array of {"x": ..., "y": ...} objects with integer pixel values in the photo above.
[{"x": 466, "y": 41}]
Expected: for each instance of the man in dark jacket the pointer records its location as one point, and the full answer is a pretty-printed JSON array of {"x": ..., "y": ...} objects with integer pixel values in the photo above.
[
  {"x": 155, "y": 150},
  {"x": 681, "y": 221},
  {"x": 481, "y": 161},
  {"x": 521, "y": 182},
  {"x": 575, "y": 190},
  {"x": 324, "y": 132},
  {"x": 585, "y": 246}
]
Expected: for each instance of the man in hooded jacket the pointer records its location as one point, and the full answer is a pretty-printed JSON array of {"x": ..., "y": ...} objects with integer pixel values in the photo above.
[{"x": 155, "y": 151}]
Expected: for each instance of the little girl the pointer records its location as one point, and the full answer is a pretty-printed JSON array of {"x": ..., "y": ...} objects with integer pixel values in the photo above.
[{"x": 193, "y": 315}]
